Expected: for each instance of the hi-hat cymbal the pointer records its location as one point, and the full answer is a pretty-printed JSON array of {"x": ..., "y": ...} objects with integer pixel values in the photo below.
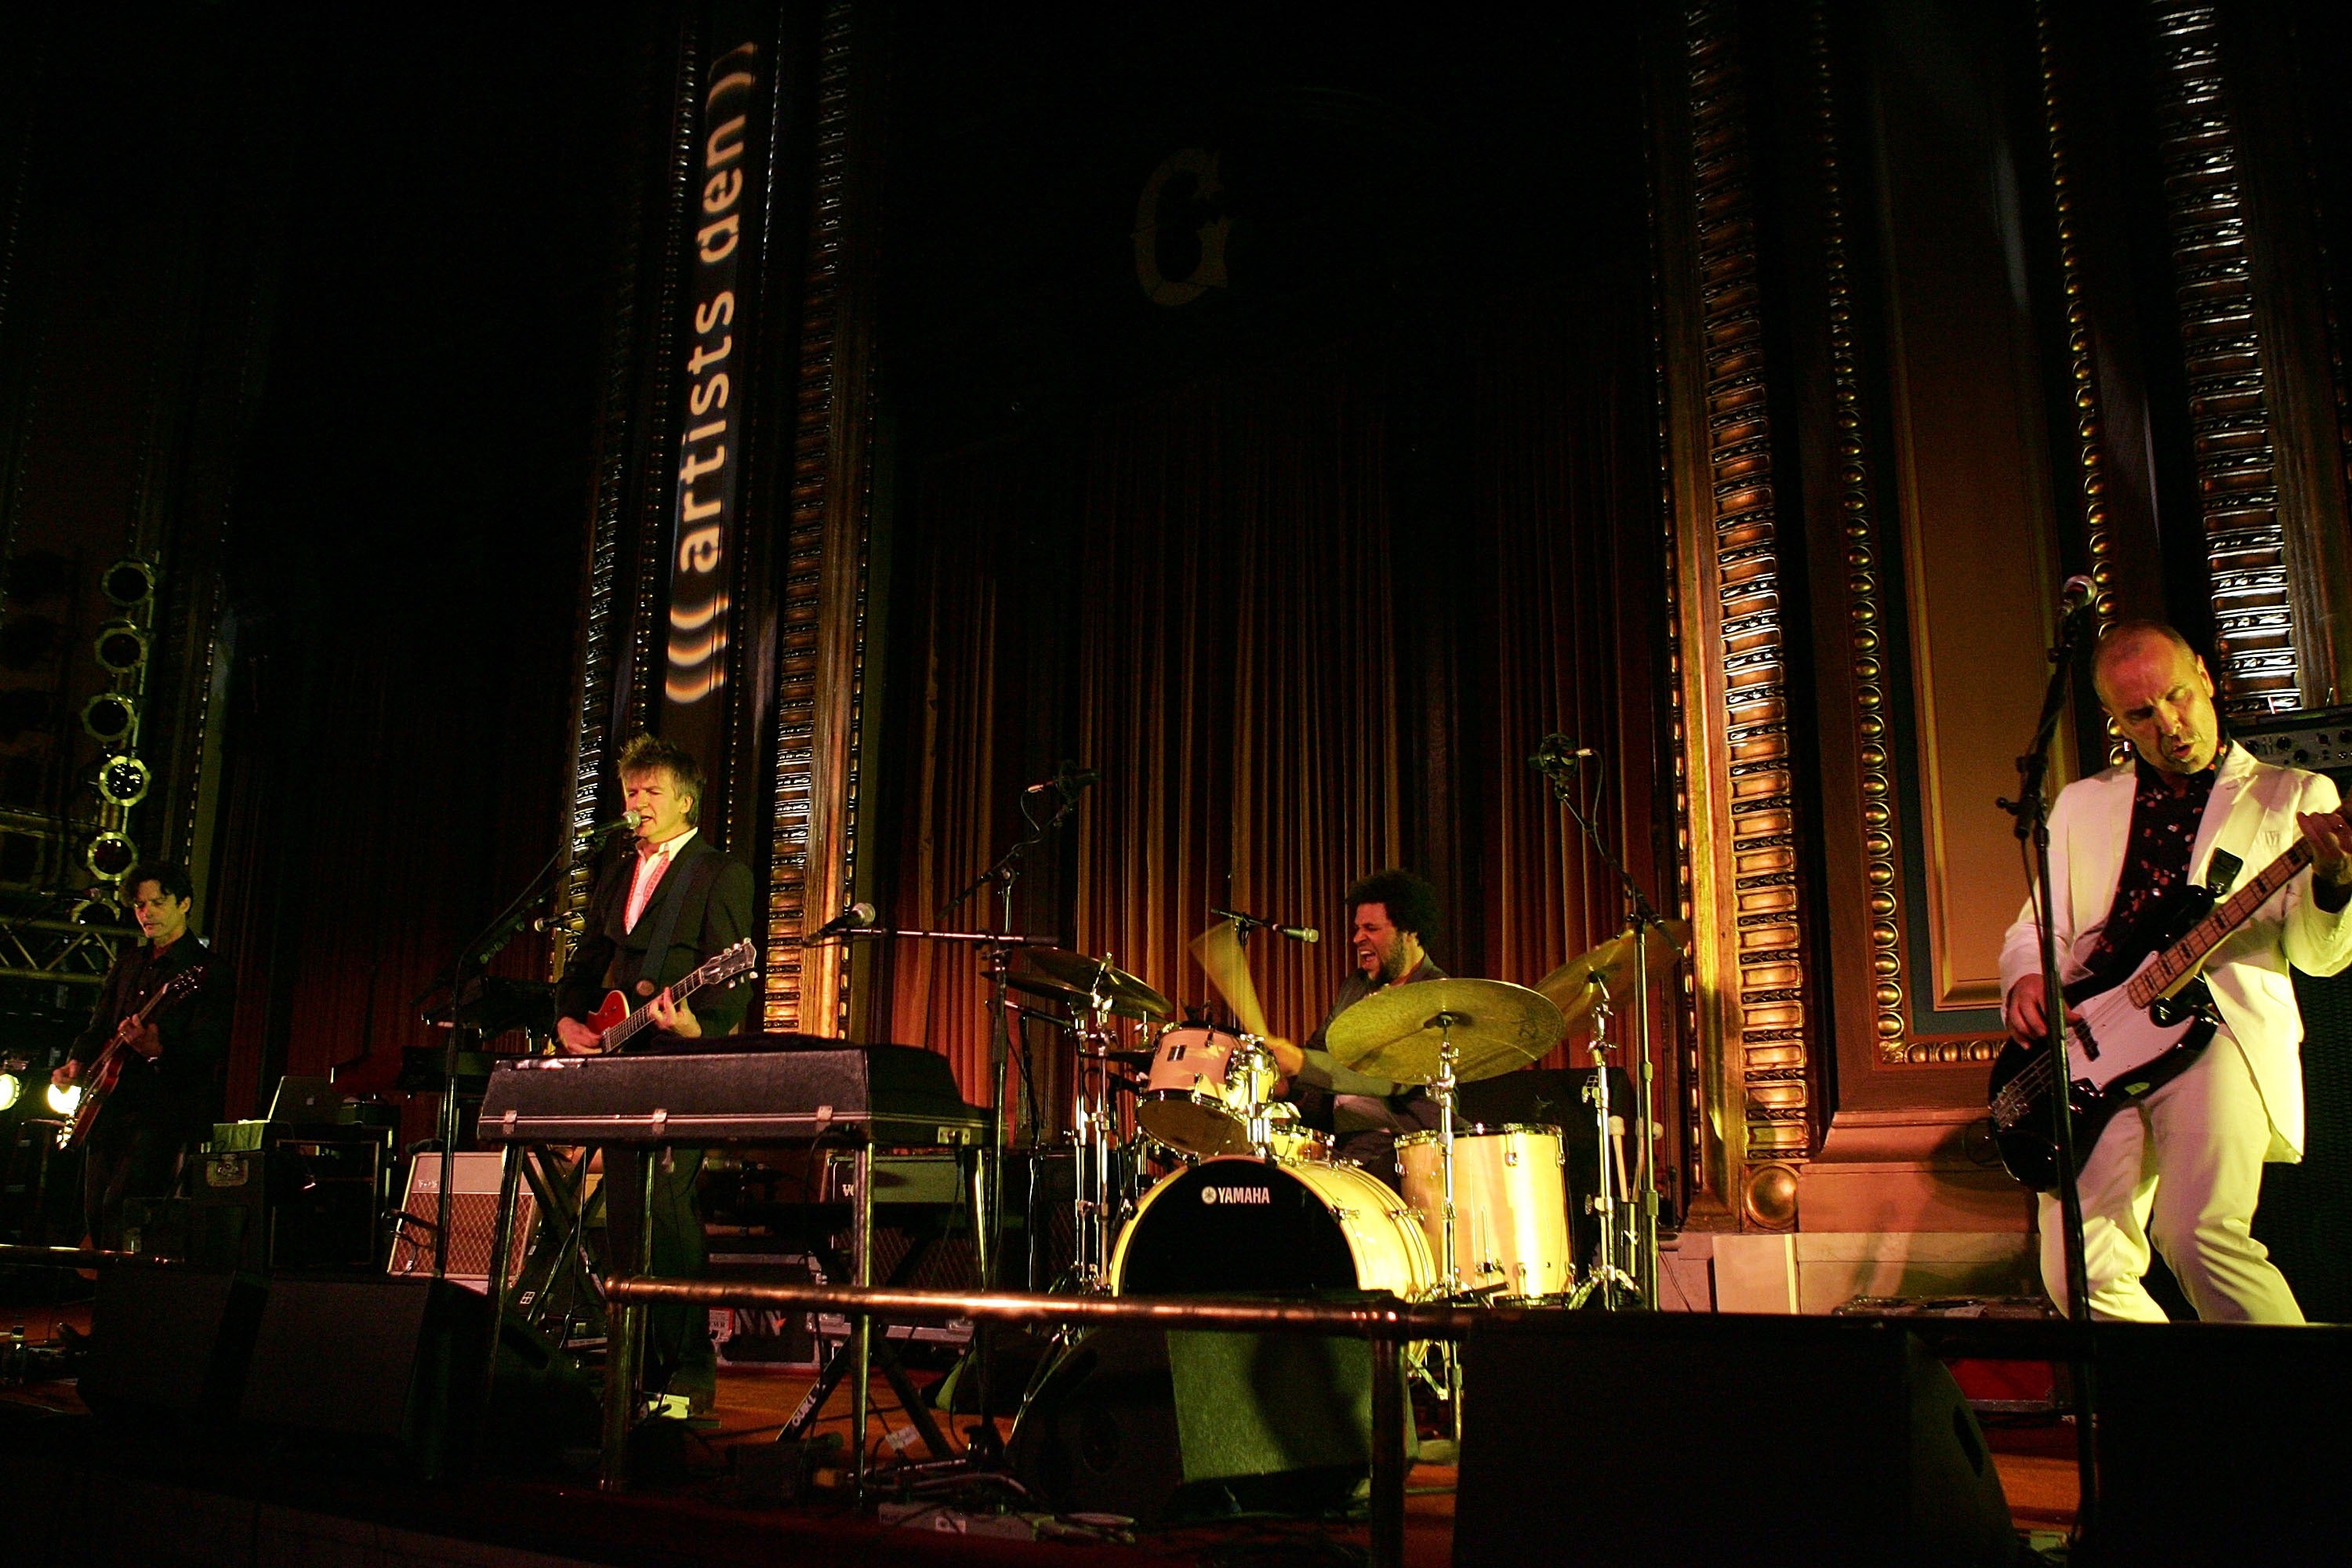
[
  {"x": 1082, "y": 977},
  {"x": 1577, "y": 986},
  {"x": 1495, "y": 1026}
]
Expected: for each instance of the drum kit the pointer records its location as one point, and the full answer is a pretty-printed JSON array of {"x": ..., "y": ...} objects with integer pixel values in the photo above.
[{"x": 1193, "y": 1178}]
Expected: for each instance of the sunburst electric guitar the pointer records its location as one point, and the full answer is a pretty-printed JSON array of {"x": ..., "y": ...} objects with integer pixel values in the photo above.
[
  {"x": 615, "y": 1024},
  {"x": 2144, "y": 1016},
  {"x": 107, "y": 1070}
]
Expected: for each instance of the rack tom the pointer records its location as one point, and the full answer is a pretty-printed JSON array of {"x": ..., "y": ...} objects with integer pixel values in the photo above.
[{"x": 1203, "y": 1088}]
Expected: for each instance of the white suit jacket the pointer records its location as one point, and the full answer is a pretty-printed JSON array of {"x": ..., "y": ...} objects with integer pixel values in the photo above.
[{"x": 2252, "y": 815}]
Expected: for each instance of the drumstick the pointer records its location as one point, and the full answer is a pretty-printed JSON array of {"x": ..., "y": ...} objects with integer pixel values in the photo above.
[{"x": 1227, "y": 966}]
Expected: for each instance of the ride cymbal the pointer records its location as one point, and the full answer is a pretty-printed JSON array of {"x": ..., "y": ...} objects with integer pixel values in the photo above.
[
  {"x": 1577, "y": 986},
  {"x": 1396, "y": 1034}
]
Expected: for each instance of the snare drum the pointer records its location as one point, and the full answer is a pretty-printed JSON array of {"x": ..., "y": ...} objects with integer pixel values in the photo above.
[
  {"x": 1289, "y": 1140},
  {"x": 1203, "y": 1087},
  {"x": 1229, "y": 1225},
  {"x": 1510, "y": 1206}
]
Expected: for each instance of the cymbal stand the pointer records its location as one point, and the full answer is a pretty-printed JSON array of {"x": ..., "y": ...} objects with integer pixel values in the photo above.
[
  {"x": 1612, "y": 1282},
  {"x": 1449, "y": 1267},
  {"x": 1091, "y": 1139}
]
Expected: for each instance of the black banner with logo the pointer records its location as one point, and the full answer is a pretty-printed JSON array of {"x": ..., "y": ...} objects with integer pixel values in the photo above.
[{"x": 722, "y": 239}]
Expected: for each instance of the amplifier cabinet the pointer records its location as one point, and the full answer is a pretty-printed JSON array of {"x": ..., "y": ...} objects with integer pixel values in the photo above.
[{"x": 473, "y": 1219}]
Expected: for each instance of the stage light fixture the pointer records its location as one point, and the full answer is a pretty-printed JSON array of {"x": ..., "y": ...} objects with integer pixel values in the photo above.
[
  {"x": 128, "y": 582},
  {"x": 121, "y": 647},
  {"x": 111, "y": 857},
  {"x": 96, "y": 910},
  {"x": 65, "y": 1098},
  {"x": 109, "y": 718},
  {"x": 122, "y": 780},
  {"x": 12, "y": 1089}
]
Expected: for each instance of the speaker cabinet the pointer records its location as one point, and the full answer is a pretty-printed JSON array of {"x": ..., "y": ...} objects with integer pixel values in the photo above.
[
  {"x": 473, "y": 1219},
  {"x": 2306, "y": 1217},
  {"x": 396, "y": 1365},
  {"x": 1161, "y": 1426},
  {"x": 2221, "y": 1443},
  {"x": 1699, "y": 1437},
  {"x": 169, "y": 1343}
]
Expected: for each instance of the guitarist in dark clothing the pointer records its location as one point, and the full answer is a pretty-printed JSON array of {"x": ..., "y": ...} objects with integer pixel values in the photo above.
[
  {"x": 654, "y": 914},
  {"x": 2181, "y": 1165},
  {"x": 165, "y": 1096}
]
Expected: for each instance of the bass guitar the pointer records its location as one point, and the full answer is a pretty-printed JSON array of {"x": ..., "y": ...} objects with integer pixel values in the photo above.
[
  {"x": 2142, "y": 1018},
  {"x": 107, "y": 1070},
  {"x": 616, "y": 1025}
]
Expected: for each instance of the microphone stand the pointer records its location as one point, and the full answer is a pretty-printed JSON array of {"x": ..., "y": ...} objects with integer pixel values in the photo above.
[
  {"x": 1003, "y": 872},
  {"x": 476, "y": 955},
  {"x": 1642, "y": 1200},
  {"x": 2032, "y": 811}
]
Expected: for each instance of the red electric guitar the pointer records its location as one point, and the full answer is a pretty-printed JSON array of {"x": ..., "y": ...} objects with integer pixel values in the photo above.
[
  {"x": 104, "y": 1073},
  {"x": 614, "y": 1023}
]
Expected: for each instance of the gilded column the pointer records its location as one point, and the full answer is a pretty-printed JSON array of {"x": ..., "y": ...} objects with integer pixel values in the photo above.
[
  {"x": 1743, "y": 893},
  {"x": 2248, "y": 552},
  {"x": 821, "y": 659}
]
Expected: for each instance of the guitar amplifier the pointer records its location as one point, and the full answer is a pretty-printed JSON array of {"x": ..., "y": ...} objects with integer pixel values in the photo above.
[
  {"x": 473, "y": 1220},
  {"x": 2306, "y": 1217}
]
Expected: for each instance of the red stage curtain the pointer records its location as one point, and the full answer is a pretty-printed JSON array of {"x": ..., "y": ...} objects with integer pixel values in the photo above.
[{"x": 1290, "y": 662}]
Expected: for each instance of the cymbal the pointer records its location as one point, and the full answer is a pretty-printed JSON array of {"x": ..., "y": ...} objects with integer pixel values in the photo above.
[
  {"x": 1081, "y": 977},
  {"x": 1571, "y": 987},
  {"x": 1495, "y": 1026}
]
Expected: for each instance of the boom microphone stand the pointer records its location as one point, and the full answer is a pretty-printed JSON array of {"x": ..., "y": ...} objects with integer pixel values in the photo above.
[
  {"x": 2032, "y": 810},
  {"x": 1559, "y": 760},
  {"x": 1003, "y": 872}
]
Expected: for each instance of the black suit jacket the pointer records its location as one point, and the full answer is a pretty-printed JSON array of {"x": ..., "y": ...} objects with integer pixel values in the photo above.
[
  {"x": 178, "y": 1092},
  {"x": 717, "y": 912}
]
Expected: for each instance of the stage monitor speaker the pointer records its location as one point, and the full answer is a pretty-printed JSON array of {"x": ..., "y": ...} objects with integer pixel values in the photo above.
[
  {"x": 1161, "y": 1426},
  {"x": 473, "y": 1219},
  {"x": 383, "y": 1365},
  {"x": 1698, "y": 1438},
  {"x": 2221, "y": 1443},
  {"x": 170, "y": 1342}
]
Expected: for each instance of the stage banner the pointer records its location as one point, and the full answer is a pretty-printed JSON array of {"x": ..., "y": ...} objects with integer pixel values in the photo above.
[{"x": 722, "y": 235}]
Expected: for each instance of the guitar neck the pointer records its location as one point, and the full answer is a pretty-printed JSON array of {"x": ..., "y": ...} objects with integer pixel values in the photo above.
[
  {"x": 2181, "y": 959},
  {"x": 640, "y": 1017}
]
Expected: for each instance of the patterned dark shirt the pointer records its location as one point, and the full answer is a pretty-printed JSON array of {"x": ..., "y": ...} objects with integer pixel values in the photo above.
[{"x": 2164, "y": 827}]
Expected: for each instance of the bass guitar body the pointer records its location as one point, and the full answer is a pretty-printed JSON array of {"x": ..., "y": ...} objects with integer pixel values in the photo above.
[{"x": 2116, "y": 1052}]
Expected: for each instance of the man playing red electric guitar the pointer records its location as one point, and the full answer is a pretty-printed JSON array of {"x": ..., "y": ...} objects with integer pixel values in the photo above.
[
  {"x": 165, "y": 1092},
  {"x": 654, "y": 916}
]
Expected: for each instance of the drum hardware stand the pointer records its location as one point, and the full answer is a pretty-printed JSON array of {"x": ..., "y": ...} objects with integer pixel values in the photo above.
[
  {"x": 1091, "y": 1147},
  {"x": 1002, "y": 873},
  {"x": 1449, "y": 1268},
  {"x": 1606, "y": 1278},
  {"x": 1558, "y": 760}
]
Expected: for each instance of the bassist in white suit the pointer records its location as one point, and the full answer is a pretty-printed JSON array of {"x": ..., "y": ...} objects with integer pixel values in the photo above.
[{"x": 2183, "y": 1166}]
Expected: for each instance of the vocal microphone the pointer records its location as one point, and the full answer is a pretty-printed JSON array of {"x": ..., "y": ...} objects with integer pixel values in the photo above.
[
  {"x": 2079, "y": 595},
  {"x": 1066, "y": 781},
  {"x": 627, "y": 819},
  {"x": 856, "y": 917},
  {"x": 1251, "y": 922},
  {"x": 1558, "y": 753}
]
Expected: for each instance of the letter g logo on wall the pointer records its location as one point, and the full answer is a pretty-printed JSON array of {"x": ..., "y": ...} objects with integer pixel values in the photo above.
[{"x": 1182, "y": 185}]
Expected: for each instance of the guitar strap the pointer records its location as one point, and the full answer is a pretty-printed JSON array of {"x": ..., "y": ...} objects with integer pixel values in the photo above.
[
  {"x": 2221, "y": 872},
  {"x": 663, "y": 932}
]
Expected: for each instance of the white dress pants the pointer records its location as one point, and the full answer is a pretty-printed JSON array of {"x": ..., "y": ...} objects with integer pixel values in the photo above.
[{"x": 2183, "y": 1167}]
